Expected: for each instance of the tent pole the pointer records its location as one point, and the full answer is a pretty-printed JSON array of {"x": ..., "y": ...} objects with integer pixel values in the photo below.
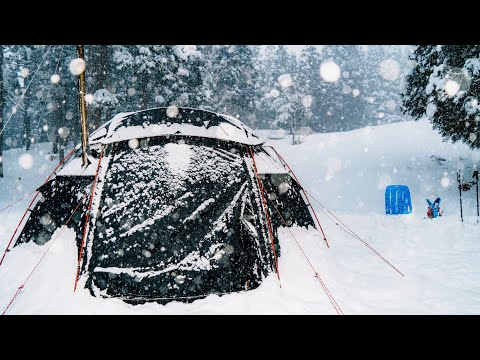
[
  {"x": 460, "y": 190},
  {"x": 83, "y": 109},
  {"x": 475, "y": 175}
]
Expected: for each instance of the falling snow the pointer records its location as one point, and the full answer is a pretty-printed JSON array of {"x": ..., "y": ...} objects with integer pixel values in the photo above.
[
  {"x": 172, "y": 111},
  {"x": 307, "y": 118},
  {"x": 25, "y": 161},
  {"x": 55, "y": 79},
  {"x": 77, "y": 66},
  {"x": 285, "y": 81},
  {"x": 133, "y": 143},
  {"x": 451, "y": 87},
  {"x": 89, "y": 98},
  {"x": 307, "y": 101},
  {"x": 389, "y": 69},
  {"x": 330, "y": 71},
  {"x": 24, "y": 72}
]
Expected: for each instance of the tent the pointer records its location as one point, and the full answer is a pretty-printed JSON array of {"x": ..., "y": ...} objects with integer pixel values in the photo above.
[{"x": 175, "y": 207}]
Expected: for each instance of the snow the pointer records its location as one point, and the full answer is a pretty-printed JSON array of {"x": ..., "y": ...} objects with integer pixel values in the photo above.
[
  {"x": 89, "y": 99},
  {"x": 431, "y": 109},
  {"x": 186, "y": 51},
  {"x": 183, "y": 72},
  {"x": 74, "y": 167},
  {"x": 172, "y": 111},
  {"x": 274, "y": 93},
  {"x": 24, "y": 72},
  {"x": 330, "y": 71},
  {"x": 451, "y": 87},
  {"x": 445, "y": 182},
  {"x": 63, "y": 132},
  {"x": 25, "y": 161},
  {"x": 389, "y": 69},
  {"x": 268, "y": 164},
  {"x": 307, "y": 101},
  {"x": 439, "y": 257},
  {"x": 230, "y": 130},
  {"x": 133, "y": 143},
  {"x": 104, "y": 98},
  {"x": 77, "y": 66},
  {"x": 178, "y": 159},
  {"x": 285, "y": 81},
  {"x": 55, "y": 79}
]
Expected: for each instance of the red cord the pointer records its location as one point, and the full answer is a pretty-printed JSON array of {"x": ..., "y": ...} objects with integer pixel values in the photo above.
[
  {"x": 87, "y": 217},
  {"x": 20, "y": 288},
  {"x": 317, "y": 275},
  {"x": 265, "y": 208},
  {"x": 26, "y": 211},
  {"x": 304, "y": 193},
  {"x": 351, "y": 233},
  {"x": 16, "y": 201}
]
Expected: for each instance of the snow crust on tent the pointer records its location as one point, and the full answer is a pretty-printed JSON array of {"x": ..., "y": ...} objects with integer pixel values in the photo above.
[
  {"x": 176, "y": 214},
  {"x": 187, "y": 122},
  {"x": 267, "y": 165},
  {"x": 177, "y": 220}
]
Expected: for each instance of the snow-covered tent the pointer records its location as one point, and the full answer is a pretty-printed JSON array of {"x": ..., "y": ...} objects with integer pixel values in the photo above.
[{"x": 176, "y": 209}]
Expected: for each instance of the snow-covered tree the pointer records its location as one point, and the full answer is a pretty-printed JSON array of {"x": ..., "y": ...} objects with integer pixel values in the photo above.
[
  {"x": 282, "y": 98},
  {"x": 2, "y": 104},
  {"x": 444, "y": 85},
  {"x": 229, "y": 76},
  {"x": 384, "y": 73},
  {"x": 102, "y": 82},
  {"x": 265, "y": 66},
  {"x": 342, "y": 74},
  {"x": 308, "y": 80}
]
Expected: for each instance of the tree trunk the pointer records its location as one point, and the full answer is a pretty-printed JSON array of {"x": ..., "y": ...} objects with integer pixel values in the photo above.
[{"x": 1, "y": 110}]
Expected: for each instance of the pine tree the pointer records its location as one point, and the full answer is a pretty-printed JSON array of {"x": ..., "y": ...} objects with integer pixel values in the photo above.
[
  {"x": 344, "y": 106},
  {"x": 229, "y": 80},
  {"x": 2, "y": 104},
  {"x": 158, "y": 75},
  {"x": 284, "y": 100},
  {"x": 265, "y": 66},
  {"x": 444, "y": 86},
  {"x": 101, "y": 83},
  {"x": 308, "y": 80}
]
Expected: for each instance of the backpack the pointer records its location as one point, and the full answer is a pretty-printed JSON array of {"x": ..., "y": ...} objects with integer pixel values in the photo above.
[{"x": 434, "y": 208}]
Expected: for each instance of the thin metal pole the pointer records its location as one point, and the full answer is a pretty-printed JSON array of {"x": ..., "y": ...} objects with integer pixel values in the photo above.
[
  {"x": 83, "y": 109},
  {"x": 475, "y": 175},
  {"x": 460, "y": 190}
]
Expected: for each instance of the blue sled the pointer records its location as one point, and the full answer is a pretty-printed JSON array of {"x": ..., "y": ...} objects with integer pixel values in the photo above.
[{"x": 397, "y": 200}]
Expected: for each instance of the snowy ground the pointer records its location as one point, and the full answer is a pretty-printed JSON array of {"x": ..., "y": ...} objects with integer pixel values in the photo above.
[{"x": 348, "y": 173}]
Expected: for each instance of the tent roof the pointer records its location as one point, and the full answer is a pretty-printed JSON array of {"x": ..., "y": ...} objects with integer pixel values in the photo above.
[{"x": 160, "y": 122}]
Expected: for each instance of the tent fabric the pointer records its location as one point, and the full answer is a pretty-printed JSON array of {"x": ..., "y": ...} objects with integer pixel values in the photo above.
[
  {"x": 174, "y": 217},
  {"x": 59, "y": 198}
]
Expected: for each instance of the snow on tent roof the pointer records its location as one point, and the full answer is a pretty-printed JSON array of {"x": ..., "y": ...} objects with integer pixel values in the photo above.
[{"x": 187, "y": 122}]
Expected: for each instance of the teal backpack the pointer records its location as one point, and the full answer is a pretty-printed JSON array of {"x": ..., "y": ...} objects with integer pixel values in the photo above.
[{"x": 433, "y": 210}]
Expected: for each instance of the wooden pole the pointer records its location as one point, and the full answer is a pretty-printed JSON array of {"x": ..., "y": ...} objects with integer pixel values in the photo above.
[{"x": 83, "y": 109}]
